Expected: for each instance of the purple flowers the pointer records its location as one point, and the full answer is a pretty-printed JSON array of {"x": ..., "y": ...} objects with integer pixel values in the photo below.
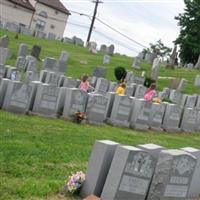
[{"x": 75, "y": 182}]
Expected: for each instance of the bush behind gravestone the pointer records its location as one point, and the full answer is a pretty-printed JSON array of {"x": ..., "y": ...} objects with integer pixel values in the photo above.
[
  {"x": 148, "y": 81},
  {"x": 120, "y": 73}
]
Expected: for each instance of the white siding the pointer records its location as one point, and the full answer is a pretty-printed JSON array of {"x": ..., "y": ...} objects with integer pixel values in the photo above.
[
  {"x": 58, "y": 20},
  {"x": 14, "y": 14}
]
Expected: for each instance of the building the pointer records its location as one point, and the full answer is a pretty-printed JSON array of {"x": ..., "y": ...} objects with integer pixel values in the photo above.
[
  {"x": 16, "y": 11},
  {"x": 49, "y": 16}
]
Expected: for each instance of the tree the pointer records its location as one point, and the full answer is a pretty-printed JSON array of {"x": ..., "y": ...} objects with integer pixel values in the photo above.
[
  {"x": 189, "y": 37},
  {"x": 158, "y": 49}
]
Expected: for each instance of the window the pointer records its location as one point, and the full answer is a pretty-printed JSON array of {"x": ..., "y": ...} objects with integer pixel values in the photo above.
[
  {"x": 40, "y": 25},
  {"x": 52, "y": 26},
  {"x": 43, "y": 14}
]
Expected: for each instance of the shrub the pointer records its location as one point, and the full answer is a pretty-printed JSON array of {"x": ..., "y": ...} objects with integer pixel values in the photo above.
[{"x": 120, "y": 73}]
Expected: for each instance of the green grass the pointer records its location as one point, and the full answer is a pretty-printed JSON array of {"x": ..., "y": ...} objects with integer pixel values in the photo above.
[
  {"x": 54, "y": 48},
  {"x": 37, "y": 154}
]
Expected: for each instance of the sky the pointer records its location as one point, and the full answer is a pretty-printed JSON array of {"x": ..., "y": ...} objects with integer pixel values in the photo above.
[{"x": 143, "y": 21}]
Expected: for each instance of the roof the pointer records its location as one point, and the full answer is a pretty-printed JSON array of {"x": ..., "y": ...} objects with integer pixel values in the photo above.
[
  {"x": 56, "y": 4},
  {"x": 24, "y": 3}
]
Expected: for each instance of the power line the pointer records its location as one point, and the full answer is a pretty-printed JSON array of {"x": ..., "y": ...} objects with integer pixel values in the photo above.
[{"x": 113, "y": 29}]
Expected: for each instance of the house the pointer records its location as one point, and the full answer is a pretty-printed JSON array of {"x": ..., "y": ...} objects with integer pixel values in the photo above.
[
  {"x": 50, "y": 16},
  {"x": 16, "y": 11}
]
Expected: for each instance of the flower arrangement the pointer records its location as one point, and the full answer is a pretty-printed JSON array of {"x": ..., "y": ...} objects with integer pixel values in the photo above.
[
  {"x": 79, "y": 117},
  {"x": 75, "y": 182}
]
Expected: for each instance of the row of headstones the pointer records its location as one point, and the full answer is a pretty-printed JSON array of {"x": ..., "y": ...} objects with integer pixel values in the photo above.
[
  {"x": 145, "y": 172},
  {"x": 107, "y": 107},
  {"x": 26, "y": 31}
]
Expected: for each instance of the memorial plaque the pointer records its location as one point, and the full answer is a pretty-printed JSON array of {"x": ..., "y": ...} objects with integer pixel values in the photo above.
[
  {"x": 102, "y": 86},
  {"x": 97, "y": 108},
  {"x": 130, "y": 174},
  {"x": 140, "y": 91},
  {"x": 172, "y": 118},
  {"x": 75, "y": 101},
  {"x": 19, "y": 97},
  {"x": 121, "y": 110},
  {"x": 189, "y": 120},
  {"x": 172, "y": 176},
  {"x": 49, "y": 100},
  {"x": 52, "y": 78}
]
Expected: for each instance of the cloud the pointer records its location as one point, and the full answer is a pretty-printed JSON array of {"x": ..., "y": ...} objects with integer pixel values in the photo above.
[{"x": 142, "y": 20}]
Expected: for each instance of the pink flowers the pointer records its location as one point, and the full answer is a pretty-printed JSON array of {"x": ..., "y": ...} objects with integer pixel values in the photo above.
[{"x": 75, "y": 182}]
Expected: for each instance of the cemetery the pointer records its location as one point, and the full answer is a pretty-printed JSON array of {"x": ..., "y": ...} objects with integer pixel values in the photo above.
[{"x": 39, "y": 96}]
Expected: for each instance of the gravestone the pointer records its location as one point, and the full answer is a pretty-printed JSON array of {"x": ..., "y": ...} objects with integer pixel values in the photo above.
[
  {"x": 130, "y": 174},
  {"x": 198, "y": 122},
  {"x": 172, "y": 118},
  {"x": 78, "y": 41},
  {"x": 121, "y": 110},
  {"x": 191, "y": 101},
  {"x": 35, "y": 51},
  {"x": 189, "y": 119},
  {"x": 5, "y": 54},
  {"x": 197, "y": 81},
  {"x": 31, "y": 65},
  {"x": 103, "y": 150},
  {"x": 106, "y": 59},
  {"x": 111, "y": 50},
  {"x": 194, "y": 190},
  {"x": 175, "y": 96},
  {"x": 172, "y": 176},
  {"x": 51, "y": 36},
  {"x": 68, "y": 40},
  {"x": 113, "y": 86},
  {"x": 60, "y": 67},
  {"x": 197, "y": 65},
  {"x": 61, "y": 80},
  {"x": 21, "y": 63},
  {"x": 92, "y": 47},
  {"x": 140, "y": 115},
  {"x": 2, "y": 71},
  {"x": 183, "y": 84},
  {"x": 102, "y": 86},
  {"x": 64, "y": 56},
  {"x": 19, "y": 97},
  {"x": 40, "y": 34},
  {"x": 3, "y": 89},
  {"x": 75, "y": 101},
  {"x": 152, "y": 149},
  {"x": 52, "y": 78},
  {"x": 165, "y": 93},
  {"x": 23, "y": 49},
  {"x": 97, "y": 108},
  {"x": 130, "y": 89},
  {"x": 198, "y": 103},
  {"x": 136, "y": 63},
  {"x": 49, "y": 100},
  {"x": 70, "y": 82},
  {"x": 31, "y": 76},
  {"x": 100, "y": 72},
  {"x": 9, "y": 70},
  {"x": 43, "y": 75},
  {"x": 190, "y": 66},
  {"x": 155, "y": 69},
  {"x": 138, "y": 79},
  {"x": 49, "y": 64},
  {"x": 128, "y": 77},
  {"x": 12, "y": 27},
  {"x": 111, "y": 97},
  {"x": 4, "y": 41},
  {"x": 140, "y": 91},
  {"x": 26, "y": 31},
  {"x": 103, "y": 48},
  {"x": 156, "y": 116}
]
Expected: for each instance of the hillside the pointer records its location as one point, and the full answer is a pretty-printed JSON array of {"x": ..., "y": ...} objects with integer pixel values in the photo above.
[{"x": 54, "y": 48}]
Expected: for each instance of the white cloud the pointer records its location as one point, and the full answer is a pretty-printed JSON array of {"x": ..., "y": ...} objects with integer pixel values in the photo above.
[{"x": 142, "y": 20}]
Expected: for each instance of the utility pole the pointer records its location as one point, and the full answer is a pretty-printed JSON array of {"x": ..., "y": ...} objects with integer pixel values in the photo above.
[{"x": 93, "y": 19}]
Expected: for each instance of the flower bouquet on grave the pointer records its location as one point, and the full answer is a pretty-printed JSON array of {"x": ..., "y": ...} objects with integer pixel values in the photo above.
[
  {"x": 79, "y": 117},
  {"x": 75, "y": 182}
]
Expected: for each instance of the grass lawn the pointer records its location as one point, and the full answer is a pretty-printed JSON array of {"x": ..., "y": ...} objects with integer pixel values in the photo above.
[
  {"x": 38, "y": 154},
  {"x": 54, "y": 48}
]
